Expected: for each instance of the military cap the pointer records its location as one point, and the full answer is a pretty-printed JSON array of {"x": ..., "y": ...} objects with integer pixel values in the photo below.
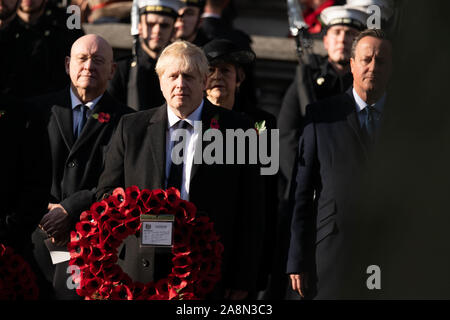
[
  {"x": 386, "y": 6},
  {"x": 343, "y": 15},
  {"x": 162, "y": 7},
  {"x": 223, "y": 50}
]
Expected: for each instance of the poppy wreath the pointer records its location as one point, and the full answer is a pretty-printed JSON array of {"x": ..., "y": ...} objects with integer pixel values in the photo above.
[
  {"x": 17, "y": 280},
  {"x": 197, "y": 251}
]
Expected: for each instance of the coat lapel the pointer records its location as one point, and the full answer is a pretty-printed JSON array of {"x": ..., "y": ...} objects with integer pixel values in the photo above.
[
  {"x": 157, "y": 133},
  {"x": 93, "y": 126},
  {"x": 62, "y": 111}
]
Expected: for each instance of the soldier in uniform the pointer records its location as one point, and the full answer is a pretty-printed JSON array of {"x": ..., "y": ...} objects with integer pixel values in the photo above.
[
  {"x": 323, "y": 77},
  {"x": 38, "y": 41},
  {"x": 187, "y": 26},
  {"x": 135, "y": 82},
  {"x": 214, "y": 25}
]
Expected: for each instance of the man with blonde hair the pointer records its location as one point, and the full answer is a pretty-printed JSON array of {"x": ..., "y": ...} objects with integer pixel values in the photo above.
[{"x": 140, "y": 155}]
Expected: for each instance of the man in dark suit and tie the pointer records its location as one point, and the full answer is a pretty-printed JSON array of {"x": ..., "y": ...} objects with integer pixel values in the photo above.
[
  {"x": 80, "y": 122},
  {"x": 333, "y": 152},
  {"x": 140, "y": 155}
]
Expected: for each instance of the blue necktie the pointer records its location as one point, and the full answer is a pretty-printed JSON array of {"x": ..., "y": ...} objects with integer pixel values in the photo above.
[
  {"x": 371, "y": 120},
  {"x": 82, "y": 121}
]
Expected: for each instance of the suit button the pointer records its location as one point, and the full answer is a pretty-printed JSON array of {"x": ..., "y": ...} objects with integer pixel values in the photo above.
[
  {"x": 72, "y": 164},
  {"x": 145, "y": 263}
]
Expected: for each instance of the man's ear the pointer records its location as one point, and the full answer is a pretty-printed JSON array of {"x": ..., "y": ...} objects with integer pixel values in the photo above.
[
  {"x": 113, "y": 70},
  {"x": 352, "y": 62},
  {"x": 240, "y": 76},
  {"x": 67, "y": 65},
  {"x": 325, "y": 42},
  {"x": 141, "y": 28}
]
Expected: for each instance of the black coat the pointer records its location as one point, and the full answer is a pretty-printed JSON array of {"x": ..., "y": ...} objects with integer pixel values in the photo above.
[
  {"x": 77, "y": 164},
  {"x": 218, "y": 28},
  {"x": 306, "y": 88},
  {"x": 24, "y": 176},
  {"x": 76, "y": 168},
  {"x": 332, "y": 156},
  {"x": 135, "y": 82},
  {"x": 227, "y": 193}
]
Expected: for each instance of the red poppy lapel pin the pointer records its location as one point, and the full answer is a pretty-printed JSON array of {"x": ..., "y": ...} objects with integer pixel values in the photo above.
[
  {"x": 214, "y": 122},
  {"x": 102, "y": 117}
]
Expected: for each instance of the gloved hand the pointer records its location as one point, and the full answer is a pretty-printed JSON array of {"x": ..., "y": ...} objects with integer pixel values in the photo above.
[{"x": 56, "y": 223}]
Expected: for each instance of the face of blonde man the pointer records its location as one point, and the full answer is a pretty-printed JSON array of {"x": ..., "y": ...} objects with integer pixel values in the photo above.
[{"x": 182, "y": 87}]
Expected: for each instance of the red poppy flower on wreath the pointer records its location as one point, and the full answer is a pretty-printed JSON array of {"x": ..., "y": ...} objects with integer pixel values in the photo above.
[
  {"x": 17, "y": 280},
  {"x": 197, "y": 251}
]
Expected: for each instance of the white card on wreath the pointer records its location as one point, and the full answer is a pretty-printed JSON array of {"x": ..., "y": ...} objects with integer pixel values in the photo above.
[
  {"x": 157, "y": 233},
  {"x": 58, "y": 254}
]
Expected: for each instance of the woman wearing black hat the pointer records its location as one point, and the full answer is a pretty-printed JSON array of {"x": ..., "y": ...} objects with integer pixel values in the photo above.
[{"x": 226, "y": 65}]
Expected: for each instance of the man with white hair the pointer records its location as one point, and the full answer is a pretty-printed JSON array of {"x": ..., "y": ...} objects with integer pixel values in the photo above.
[{"x": 80, "y": 122}]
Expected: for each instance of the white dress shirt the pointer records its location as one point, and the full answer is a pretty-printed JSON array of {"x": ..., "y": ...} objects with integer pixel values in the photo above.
[
  {"x": 76, "y": 112},
  {"x": 191, "y": 142}
]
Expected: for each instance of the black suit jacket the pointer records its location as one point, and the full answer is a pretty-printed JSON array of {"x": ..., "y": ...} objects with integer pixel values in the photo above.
[
  {"x": 227, "y": 193},
  {"x": 332, "y": 154},
  {"x": 77, "y": 164}
]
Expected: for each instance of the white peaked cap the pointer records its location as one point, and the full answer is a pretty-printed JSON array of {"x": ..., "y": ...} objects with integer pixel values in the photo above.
[{"x": 342, "y": 15}]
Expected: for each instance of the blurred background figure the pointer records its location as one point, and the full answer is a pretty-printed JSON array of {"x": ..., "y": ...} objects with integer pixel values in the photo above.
[
  {"x": 103, "y": 11},
  {"x": 216, "y": 27},
  {"x": 187, "y": 26},
  {"x": 312, "y": 10},
  {"x": 34, "y": 62},
  {"x": 135, "y": 82}
]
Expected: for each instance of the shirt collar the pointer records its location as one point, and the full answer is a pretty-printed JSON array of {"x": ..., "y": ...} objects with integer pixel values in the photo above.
[
  {"x": 76, "y": 102},
  {"x": 361, "y": 104},
  {"x": 194, "y": 116},
  {"x": 211, "y": 15}
]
